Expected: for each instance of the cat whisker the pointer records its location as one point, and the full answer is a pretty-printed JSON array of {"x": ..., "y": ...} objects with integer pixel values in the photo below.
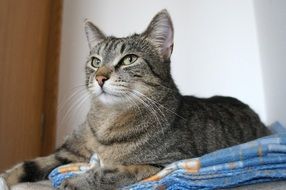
[
  {"x": 133, "y": 102},
  {"x": 156, "y": 107},
  {"x": 148, "y": 100},
  {"x": 151, "y": 108},
  {"x": 75, "y": 106},
  {"x": 78, "y": 86},
  {"x": 155, "y": 102},
  {"x": 69, "y": 98}
]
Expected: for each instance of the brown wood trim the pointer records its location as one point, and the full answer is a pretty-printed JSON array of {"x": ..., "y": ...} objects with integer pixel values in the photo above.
[{"x": 51, "y": 78}]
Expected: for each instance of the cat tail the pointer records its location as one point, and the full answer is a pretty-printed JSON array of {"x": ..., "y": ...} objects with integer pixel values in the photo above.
[{"x": 39, "y": 168}]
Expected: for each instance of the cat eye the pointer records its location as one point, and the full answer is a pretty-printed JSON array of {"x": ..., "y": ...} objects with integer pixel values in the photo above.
[
  {"x": 129, "y": 59},
  {"x": 95, "y": 62}
]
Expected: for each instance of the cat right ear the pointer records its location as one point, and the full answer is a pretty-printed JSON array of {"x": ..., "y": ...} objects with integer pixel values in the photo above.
[
  {"x": 93, "y": 34},
  {"x": 161, "y": 33}
]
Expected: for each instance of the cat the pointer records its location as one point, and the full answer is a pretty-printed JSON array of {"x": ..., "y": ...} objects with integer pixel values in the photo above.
[{"x": 138, "y": 121}]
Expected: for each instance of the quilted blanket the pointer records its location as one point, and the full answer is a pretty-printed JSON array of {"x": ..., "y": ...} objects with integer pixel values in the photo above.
[{"x": 261, "y": 160}]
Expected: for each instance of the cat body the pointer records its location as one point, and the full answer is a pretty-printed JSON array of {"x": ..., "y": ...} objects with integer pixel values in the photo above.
[
  {"x": 209, "y": 120},
  {"x": 138, "y": 121}
]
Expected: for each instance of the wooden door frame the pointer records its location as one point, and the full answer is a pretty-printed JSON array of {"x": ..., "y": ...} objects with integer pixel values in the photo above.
[
  {"x": 51, "y": 78},
  {"x": 30, "y": 32}
]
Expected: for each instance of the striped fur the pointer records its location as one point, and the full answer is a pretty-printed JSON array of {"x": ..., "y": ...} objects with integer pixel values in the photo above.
[{"x": 138, "y": 120}]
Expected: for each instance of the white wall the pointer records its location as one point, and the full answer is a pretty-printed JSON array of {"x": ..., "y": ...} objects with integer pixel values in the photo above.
[
  {"x": 216, "y": 49},
  {"x": 271, "y": 28}
]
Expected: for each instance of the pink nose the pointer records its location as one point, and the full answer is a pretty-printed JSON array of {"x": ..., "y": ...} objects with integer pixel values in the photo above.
[{"x": 100, "y": 80}]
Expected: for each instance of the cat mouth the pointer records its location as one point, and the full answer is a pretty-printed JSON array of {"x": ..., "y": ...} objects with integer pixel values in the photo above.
[{"x": 111, "y": 97}]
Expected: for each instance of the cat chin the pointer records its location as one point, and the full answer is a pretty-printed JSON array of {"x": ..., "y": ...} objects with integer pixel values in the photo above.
[{"x": 109, "y": 99}]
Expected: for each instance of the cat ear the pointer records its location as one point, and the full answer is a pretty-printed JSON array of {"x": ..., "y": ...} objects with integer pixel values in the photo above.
[
  {"x": 161, "y": 33},
  {"x": 93, "y": 34}
]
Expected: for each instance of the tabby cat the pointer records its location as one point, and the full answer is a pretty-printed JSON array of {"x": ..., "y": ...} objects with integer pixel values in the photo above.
[{"x": 138, "y": 121}]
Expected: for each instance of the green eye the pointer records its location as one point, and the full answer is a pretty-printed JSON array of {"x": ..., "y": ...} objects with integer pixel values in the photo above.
[
  {"x": 129, "y": 59},
  {"x": 95, "y": 62}
]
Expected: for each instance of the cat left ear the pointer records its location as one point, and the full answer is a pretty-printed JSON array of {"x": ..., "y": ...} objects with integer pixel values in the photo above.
[
  {"x": 93, "y": 34},
  {"x": 161, "y": 33}
]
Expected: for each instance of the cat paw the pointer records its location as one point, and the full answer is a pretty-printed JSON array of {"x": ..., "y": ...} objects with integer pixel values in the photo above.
[
  {"x": 68, "y": 185},
  {"x": 84, "y": 183},
  {"x": 76, "y": 183}
]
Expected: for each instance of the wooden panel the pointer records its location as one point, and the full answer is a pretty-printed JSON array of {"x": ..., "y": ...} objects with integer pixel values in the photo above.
[
  {"x": 51, "y": 79},
  {"x": 23, "y": 45}
]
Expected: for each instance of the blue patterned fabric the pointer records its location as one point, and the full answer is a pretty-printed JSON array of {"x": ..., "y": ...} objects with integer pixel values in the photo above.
[
  {"x": 61, "y": 173},
  {"x": 261, "y": 160}
]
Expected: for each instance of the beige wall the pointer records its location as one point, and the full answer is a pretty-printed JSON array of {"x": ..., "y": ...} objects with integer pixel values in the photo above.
[{"x": 271, "y": 28}]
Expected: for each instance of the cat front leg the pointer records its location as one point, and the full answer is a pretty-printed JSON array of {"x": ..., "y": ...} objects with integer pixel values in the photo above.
[{"x": 110, "y": 178}]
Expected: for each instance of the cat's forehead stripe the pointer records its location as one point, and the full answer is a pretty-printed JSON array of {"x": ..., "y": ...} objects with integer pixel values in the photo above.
[
  {"x": 116, "y": 44},
  {"x": 122, "y": 48},
  {"x": 99, "y": 49},
  {"x": 110, "y": 46},
  {"x": 113, "y": 47},
  {"x": 102, "y": 47}
]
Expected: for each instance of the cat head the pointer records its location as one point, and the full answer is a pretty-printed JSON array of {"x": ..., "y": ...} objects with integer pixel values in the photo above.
[{"x": 125, "y": 69}]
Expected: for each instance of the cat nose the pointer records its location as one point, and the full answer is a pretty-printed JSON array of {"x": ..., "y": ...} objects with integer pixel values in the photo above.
[{"x": 100, "y": 80}]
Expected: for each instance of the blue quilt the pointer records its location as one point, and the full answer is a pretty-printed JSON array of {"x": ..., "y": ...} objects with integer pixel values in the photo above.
[{"x": 258, "y": 161}]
